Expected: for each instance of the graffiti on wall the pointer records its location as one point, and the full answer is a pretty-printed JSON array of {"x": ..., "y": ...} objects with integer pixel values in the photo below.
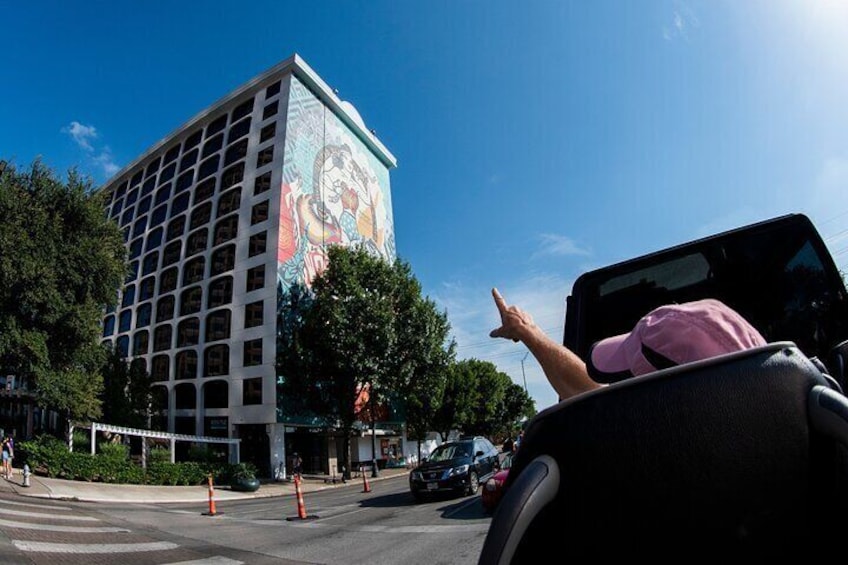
[{"x": 334, "y": 191}]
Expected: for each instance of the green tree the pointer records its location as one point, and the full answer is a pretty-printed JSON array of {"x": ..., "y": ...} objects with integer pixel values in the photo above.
[
  {"x": 459, "y": 399},
  {"x": 61, "y": 262},
  {"x": 355, "y": 335},
  {"x": 127, "y": 395}
]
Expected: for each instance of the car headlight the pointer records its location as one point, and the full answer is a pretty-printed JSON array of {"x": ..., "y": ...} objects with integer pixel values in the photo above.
[
  {"x": 416, "y": 476},
  {"x": 461, "y": 470}
]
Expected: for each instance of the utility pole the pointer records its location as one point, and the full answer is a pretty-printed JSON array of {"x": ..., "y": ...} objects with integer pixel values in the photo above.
[{"x": 522, "y": 371}]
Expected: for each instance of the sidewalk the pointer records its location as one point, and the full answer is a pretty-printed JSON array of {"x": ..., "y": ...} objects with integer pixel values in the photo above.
[{"x": 44, "y": 487}]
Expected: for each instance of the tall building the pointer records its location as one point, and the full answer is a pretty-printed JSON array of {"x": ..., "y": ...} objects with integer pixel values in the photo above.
[{"x": 242, "y": 199}]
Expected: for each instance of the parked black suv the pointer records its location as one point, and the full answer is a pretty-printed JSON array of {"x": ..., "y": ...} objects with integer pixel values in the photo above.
[{"x": 457, "y": 466}]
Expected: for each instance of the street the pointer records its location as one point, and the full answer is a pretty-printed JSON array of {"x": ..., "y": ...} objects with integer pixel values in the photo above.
[{"x": 343, "y": 525}]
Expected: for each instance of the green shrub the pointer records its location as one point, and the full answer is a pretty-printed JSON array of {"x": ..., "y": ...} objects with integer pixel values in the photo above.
[
  {"x": 116, "y": 451},
  {"x": 159, "y": 455}
]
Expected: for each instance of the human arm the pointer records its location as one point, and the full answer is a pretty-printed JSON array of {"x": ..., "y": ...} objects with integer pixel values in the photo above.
[{"x": 564, "y": 369}]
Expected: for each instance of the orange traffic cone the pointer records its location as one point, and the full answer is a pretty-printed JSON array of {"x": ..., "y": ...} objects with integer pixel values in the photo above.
[
  {"x": 301, "y": 507},
  {"x": 366, "y": 487},
  {"x": 212, "y": 511}
]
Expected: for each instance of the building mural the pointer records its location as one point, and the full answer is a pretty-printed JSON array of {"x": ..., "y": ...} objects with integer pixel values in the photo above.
[{"x": 334, "y": 191}]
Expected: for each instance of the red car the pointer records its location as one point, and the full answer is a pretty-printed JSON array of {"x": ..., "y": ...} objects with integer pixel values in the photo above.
[{"x": 493, "y": 489}]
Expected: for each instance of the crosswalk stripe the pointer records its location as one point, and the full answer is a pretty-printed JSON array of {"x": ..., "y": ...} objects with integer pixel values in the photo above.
[
  {"x": 47, "y": 547},
  {"x": 44, "y": 506},
  {"x": 43, "y": 515},
  {"x": 53, "y": 528},
  {"x": 217, "y": 560}
]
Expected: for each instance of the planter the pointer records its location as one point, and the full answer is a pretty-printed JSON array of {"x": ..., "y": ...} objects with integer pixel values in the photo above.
[{"x": 245, "y": 485}]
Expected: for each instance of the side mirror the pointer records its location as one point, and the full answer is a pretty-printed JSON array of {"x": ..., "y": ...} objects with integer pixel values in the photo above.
[
  {"x": 423, "y": 459},
  {"x": 479, "y": 454}
]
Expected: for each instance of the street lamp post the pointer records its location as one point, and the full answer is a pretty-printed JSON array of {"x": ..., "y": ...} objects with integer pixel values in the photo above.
[{"x": 522, "y": 371}]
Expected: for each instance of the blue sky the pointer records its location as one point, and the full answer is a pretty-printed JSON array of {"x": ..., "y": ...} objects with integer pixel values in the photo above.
[{"x": 535, "y": 140}]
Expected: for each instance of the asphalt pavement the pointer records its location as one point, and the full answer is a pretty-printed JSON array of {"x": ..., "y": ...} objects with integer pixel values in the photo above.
[{"x": 60, "y": 489}]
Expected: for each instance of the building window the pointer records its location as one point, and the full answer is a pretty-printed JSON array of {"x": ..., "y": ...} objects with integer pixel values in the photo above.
[
  {"x": 229, "y": 202},
  {"x": 160, "y": 371},
  {"x": 129, "y": 296},
  {"x": 141, "y": 341},
  {"x": 126, "y": 233},
  {"x": 191, "y": 300},
  {"x": 200, "y": 216},
  {"x": 252, "y": 391},
  {"x": 179, "y": 204},
  {"x": 154, "y": 239},
  {"x": 108, "y": 326},
  {"x": 268, "y": 132},
  {"x": 150, "y": 264},
  {"x": 262, "y": 183},
  {"x": 218, "y": 325},
  {"x": 265, "y": 156},
  {"x": 132, "y": 198},
  {"x": 204, "y": 191},
  {"x": 185, "y": 398},
  {"x": 163, "y": 194},
  {"x": 216, "y": 361},
  {"x": 259, "y": 213},
  {"x": 176, "y": 227},
  {"x": 213, "y": 145},
  {"x": 193, "y": 270},
  {"x": 121, "y": 191},
  {"x": 132, "y": 273},
  {"x": 257, "y": 243},
  {"x": 270, "y": 110},
  {"x": 232, "y": 176},
  {"x": 171, "y": 154},
  {"x": 216, "y": 395},
  {"x": 223, "y": 260},
  {"x": 142, "y": 315},
  {"x": 272, "y": 90},
  {"x": 255, "y": 278},
  {"x": 158, "y": 216},
  {"x": 116, "y": 208},
  {"x": 127, "y": 217},
  {"x": 186, "y": 362},
  {"x": 217, "y": 125},
  {"x": 193, "y": 140},
  {"x": 136, "y": 247},
  {"x": 171, "y": 254},
  {"x": 189, "y": 159},
  {"x": 139, "y": 226},
  {"x": 184, "y": 181},
  {"x": 168, "y": 172},
  {"x": 152, "y": 167},
  {"x": 207, "y": 167},
  {"x": 165, "y": 308},
  {"x": 220, "y": 292},
  {"x": 253, "y": 314},
  {"x": 147, "y": 288},
  {"x": 226, "y": 229},
  {"x": 238, "y": 130},
  {"x": 188, "y": 332},
  {"x": 196, "y": 242},
  {"x": 168, "y": 280},
  {"x": 162, "y": 338},
  {"x": 243, "y": 110},
  {"x": 124, "y": 346},
  {"x": 144, "y": 205},
  {"x": 235, "y": 152},
  {"x": 125, "y": 321}
]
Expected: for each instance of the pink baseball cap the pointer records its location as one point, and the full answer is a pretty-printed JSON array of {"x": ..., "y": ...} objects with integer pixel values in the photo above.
[{"x": 673, "y": 335}]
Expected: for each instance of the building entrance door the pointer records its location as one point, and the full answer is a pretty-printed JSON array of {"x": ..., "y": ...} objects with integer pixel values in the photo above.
[{"x": 255, "y": 447}]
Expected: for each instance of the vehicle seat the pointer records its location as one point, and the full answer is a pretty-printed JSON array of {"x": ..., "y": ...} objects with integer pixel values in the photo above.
[{"x": 739, "y": 456}]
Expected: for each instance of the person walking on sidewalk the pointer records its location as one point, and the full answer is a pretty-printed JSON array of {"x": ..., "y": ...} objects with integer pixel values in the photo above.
[{"x": 8, "y": 454}]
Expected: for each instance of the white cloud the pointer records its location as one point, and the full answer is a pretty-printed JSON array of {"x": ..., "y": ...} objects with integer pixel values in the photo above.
[
  {"x": 105, "y": 160},
  {"x": 557, "y": 245},
  {"x": 81, "y": 134},
  {"x": 85, "y": 137},
  {"x": 683, "y": 20}
]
